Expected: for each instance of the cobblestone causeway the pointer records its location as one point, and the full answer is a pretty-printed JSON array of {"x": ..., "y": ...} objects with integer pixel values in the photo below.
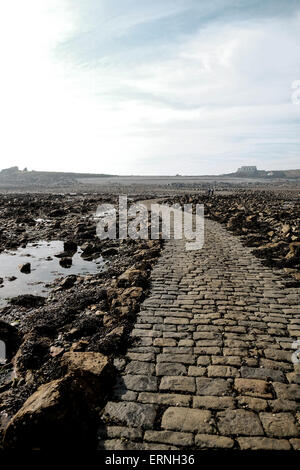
[{"x": 210, "y": 367}]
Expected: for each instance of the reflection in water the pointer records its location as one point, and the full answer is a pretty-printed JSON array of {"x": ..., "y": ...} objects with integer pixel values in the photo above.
[
  {"x": 45, "y": 267},
  {"x": 65, "y": 262}
]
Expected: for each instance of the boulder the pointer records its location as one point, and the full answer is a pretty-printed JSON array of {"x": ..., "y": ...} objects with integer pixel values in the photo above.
[
  {"x": 33, "y": 352},
  {"x": 25, "y": 268},
  {"x": 294, "y": 250},
  {"x": 65, "y": 262},
  {"x": 85, "y": 364},
  {"x": 68, "y": 282},
  {"x": 56, "y": 351},
  {"x": 89, "y": 249},
  {"x": 70, "y": 246},
  {"x": 50, "y": 419},
  {"x": 42, "y": 414},
  {"x": 85, "y": 325},
  {"x": 285, "y": 229},
  {"x": 28, "y": 301},
  {"x": 79, "y": 345},
  {"x": 132, "y": 277},
  {"x": 110, "y": 251},
  {"x": 11, "y": 338},
  {"x": 112, "y": 342},
  {"x": 60, "y": 414}
]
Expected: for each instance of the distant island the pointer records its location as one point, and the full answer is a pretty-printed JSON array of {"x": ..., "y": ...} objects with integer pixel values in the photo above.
[
  {"x": 14, "y": 177},
  {"x": 253, "y": 172}
]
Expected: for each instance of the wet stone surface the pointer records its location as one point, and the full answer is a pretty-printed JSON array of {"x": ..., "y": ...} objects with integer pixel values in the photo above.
[
  {"x": 218, "y": 354},
  {"x": 45, "y": 268}
]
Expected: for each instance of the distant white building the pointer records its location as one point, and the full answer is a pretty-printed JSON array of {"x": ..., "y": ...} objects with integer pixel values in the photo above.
[{"x": 247, "y": 169}]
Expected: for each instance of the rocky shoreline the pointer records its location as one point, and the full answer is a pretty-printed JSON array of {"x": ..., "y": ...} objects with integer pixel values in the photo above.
[
  {"x": 60, "y": 350},
  {"x": 63, "y": 351}
]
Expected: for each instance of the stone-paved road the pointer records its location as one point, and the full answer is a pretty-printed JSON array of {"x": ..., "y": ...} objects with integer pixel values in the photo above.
[{"x": 211, "y": 365}]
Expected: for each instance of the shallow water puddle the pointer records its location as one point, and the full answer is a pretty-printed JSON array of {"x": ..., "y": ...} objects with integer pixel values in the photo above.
[{"x": 45, "y": 268}]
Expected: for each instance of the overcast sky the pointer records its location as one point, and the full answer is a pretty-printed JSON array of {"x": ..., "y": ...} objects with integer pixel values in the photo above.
[{"x": 149, "y": 86}]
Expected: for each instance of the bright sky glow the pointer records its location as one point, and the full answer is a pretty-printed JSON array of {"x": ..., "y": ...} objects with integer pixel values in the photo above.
[{"x": 149, "y": 87}]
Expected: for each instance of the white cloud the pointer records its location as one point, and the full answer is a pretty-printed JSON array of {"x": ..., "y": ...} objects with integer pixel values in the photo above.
[{"x": 217, "y": 97}]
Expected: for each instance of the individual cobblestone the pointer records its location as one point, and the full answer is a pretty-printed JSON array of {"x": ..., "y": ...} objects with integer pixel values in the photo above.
[
  {"x": 139, "y": 367},
  {"x": 254, "y": 388},
  {"x": 165, "y": 398},
  {"x": 189, "y": 420},
  {"x": 206, "y": 441},
  {"x": 170, "y": 368},
  {"x": 214, "y": 403},
  {"x": 140, "y": 383},
  {"x": 279, "y": 424},
  {"x": 130, "y": 414},
  {"x": 182, "y": 384},
  {"x": 207, "y": 386},
  {"x": 239, "y": 422},
  {"x": 263, "y": 443},
  {"x": 170, "y": 437}
]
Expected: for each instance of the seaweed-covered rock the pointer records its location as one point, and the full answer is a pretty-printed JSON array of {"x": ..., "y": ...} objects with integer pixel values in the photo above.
[
  {"x": 11, "y": 338},
  {"x": 60, "y": 413},
  {"x": 28, "y": 301},
  {"x": 132, "y": 277}
]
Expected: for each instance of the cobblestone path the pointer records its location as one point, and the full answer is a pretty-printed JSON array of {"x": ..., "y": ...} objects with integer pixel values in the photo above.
[{"x": 211, "y": 363}]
